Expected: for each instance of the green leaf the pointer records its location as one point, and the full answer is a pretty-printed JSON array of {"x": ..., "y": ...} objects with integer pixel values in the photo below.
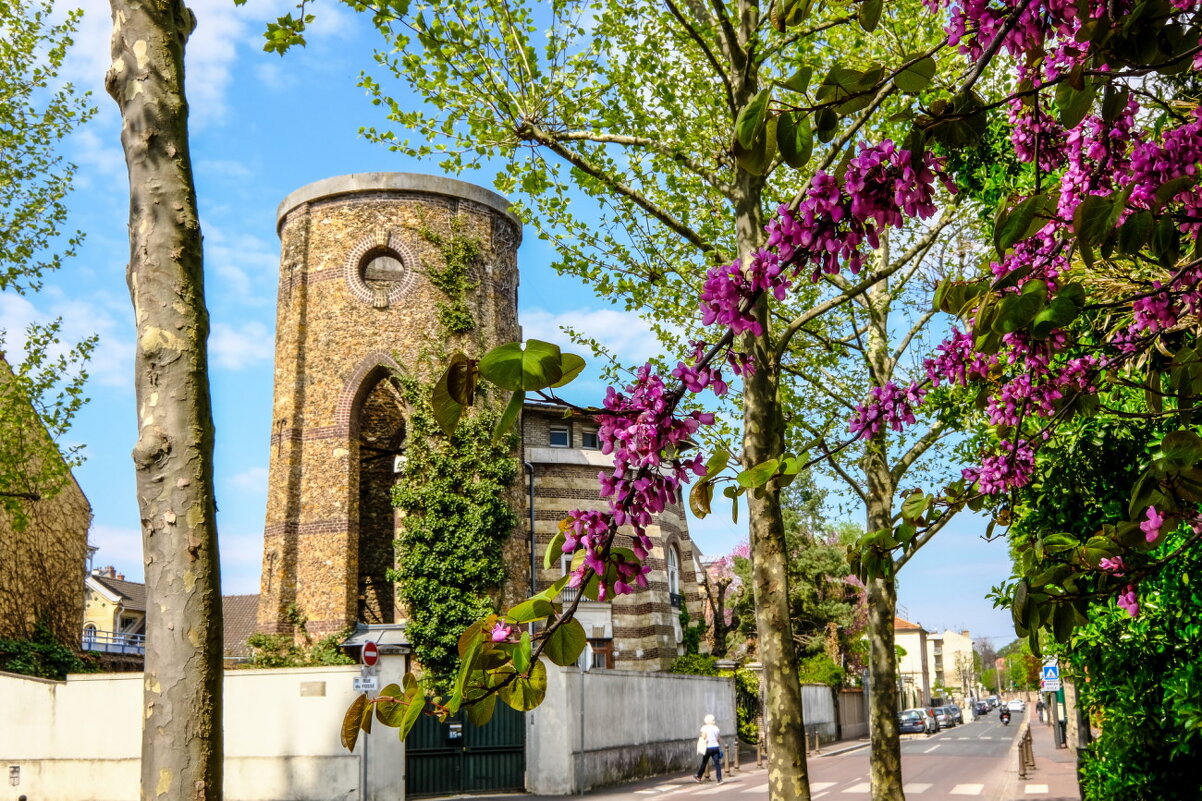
[
  {"x": 1183, "y": 448},
  {"x": 521, "y": 653},
  {"x": 1063, "y": 622},
  {"x": 528, "y": 366},
  {"x": 565, "y": 644},
  {"x": 799, "y": 81},
  {"x": 352, "y": 721},
  {"x": 915, "y": 506},
  {"x": 513, "y": 410},
  {"x": 417, "y": 702},
  {"x": 1017, "y": 311},
  {"x": 1073, "y": 104},
  {"x": 1134, "y": 232},
  {"x": 570, "y": 365},
  {"x": 1090, "y": 220},
  {"x": 1057, "y": 314},
  {"x": 916, "y": 77},
  {"x": 733, "y": 494},
  {"x": 526, "y": 692},
  {"x": 1018, "y": 606},
  {"x": 870, "y": 14},
  {"x": 1020, "y": 222},
  {"x": 446, "y": 409},
  {"x": 717, "y": 462},
  {"x": 390, "y": 713},
  {"x": 481, "y": 711},
  {"x": 826, "y": 122},
  {"x": 794, "y": 139},
  {"x": 554, "y": 550},
  {"x": 531, "y": 609},
  {"x": 757, "y": 158},
  {"x": 1114, "y": 101},
  {"x": 759, "y": 475},
  {"x": 1166, "y": 242},
  {"x": 749, "y": 125},
  {"x": 461, "y": 379}
]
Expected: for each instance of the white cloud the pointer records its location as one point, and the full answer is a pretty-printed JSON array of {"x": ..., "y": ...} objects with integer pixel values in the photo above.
[
  {"x": 119, "y": 547},
  {"x": 241, "y": 347},
  {"x": 253, "y": 480},
  {"x": 627, "y": 336},
  {"x": 112, "y": 361},
  {"x": 246, "y": 265}
]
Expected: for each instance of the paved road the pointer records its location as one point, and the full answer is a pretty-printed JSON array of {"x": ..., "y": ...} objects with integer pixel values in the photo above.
[{"x": 967, "y": 761}]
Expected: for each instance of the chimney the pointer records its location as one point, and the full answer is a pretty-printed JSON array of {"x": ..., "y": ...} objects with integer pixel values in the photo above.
[
  {"x": 108, "y": 571},
  {"x": 120, "y": 577},
  {"x": 964, "y": 633}
]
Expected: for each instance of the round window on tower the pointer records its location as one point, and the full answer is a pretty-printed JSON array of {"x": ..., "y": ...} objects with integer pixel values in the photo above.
[{"x": 381, "y": 268}]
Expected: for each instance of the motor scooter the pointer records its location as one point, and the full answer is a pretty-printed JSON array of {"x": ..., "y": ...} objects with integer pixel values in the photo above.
[{"x": 1005, "y": 716}]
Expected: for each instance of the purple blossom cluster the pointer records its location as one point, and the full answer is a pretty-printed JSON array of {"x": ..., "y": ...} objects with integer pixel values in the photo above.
[
  {"x": 882, "y": 186},
  {"x": 1010, "y": 468},
  {"x": 1128, "y": 601},
  {"x": 887, "y": 405},
  {"x": 639, "y": 428},
  {"x": 955, "y": 361}
]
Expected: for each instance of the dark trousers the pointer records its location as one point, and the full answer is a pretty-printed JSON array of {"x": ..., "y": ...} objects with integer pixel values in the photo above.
[{"x": 716, "y": 755}]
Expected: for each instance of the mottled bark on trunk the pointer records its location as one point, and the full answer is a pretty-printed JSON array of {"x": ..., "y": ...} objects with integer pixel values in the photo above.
[
  {"x": 182, "y": 735},
  {"x": 885, "y": 758}
]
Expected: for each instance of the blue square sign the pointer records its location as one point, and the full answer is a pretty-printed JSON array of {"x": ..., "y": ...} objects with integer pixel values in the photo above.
[{"x": 1051, "y": 673}]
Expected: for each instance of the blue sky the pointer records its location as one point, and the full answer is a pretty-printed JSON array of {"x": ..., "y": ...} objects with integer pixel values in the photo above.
[{"x": 261, "y": 127}]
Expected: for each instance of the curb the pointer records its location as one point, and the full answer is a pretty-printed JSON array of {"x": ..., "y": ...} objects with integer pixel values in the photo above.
[{"x": 843, "y": 749}]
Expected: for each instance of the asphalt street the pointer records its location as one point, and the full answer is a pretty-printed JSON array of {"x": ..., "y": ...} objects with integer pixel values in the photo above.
[{"x": 968, "y": 761}]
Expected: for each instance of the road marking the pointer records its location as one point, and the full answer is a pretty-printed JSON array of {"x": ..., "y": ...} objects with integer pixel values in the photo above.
[
  {"x": 967, "y": 789},
  {"x": 932, "y": 748},
  {"x": 816, "y": 786},
  {"x": 916, "y": 788},
  {"x": 718, "y": 788},
  {"x": 963, "y": 738},
  {"x": 759, "y": 788},
  {"x": 646, "y": 792},
  {"x": 661, "y": 788},
  {"x": 986, "y": 737},
  {"x": 1036, "y": 789},
  {"x": 862, "y": 787},
  {"x": 819, "y": 795}
]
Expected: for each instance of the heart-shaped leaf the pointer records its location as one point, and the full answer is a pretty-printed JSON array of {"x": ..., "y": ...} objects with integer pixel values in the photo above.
[
  {"x": 565, "y": 644},
  {"x": 518, "y": 366},
  {"x": 526, "y": 691},
  {"x": 353, "y": 720},
  {"x": 749, "y": 125}
]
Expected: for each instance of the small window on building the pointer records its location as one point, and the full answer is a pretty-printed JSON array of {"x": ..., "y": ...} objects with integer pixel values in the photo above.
[
  {"x": 381, "y": 266},
  {"x": 603, "y": 654},
  {"x": 588, "y": 440},
  {"x": 673, "y": 570},
  {"x": 561, "y": 437}
]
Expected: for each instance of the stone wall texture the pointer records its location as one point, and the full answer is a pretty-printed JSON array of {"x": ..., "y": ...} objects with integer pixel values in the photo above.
[
  {"x": 43, "y": 557},
  {"x": 339, "y": 335}
]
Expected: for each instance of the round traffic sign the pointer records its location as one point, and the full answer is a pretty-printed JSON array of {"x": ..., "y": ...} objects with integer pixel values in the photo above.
[{"x": 370, "y": 653}]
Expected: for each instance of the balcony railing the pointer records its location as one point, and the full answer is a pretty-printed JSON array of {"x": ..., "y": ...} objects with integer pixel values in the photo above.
[
  {"x": 114, "y": 642},
  {"x": 568, "y": 595}
]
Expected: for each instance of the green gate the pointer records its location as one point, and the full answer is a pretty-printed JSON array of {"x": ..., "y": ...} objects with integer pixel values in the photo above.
[{"x": 458, "y": 757}]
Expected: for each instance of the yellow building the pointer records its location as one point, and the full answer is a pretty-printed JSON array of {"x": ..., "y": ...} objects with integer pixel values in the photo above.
[{"x": 114, "y": 613}]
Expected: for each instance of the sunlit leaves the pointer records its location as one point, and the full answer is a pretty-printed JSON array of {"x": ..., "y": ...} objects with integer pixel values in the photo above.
[{"x": 566, "y": 643}]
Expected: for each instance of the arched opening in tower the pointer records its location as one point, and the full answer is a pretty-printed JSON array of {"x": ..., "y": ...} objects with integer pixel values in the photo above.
[{"x": 381, "y": 455}]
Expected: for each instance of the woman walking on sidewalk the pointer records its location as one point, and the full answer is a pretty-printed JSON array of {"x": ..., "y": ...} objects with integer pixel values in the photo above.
[{"x": 712, "y": 748}]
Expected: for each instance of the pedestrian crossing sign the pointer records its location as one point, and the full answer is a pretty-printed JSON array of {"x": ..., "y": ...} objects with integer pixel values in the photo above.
[{"x": 1051, "y": 673}]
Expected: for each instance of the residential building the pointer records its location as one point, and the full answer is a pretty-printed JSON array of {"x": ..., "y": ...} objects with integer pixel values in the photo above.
[
  {"x": 44, "y": 520},
  {"x": 114, "y": 618},
  {"x": 913, "y": 675},
  {"x": 951, "y": 663}
]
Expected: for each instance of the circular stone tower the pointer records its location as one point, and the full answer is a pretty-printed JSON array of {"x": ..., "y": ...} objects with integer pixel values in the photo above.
[{"x": 356, "y": 306}]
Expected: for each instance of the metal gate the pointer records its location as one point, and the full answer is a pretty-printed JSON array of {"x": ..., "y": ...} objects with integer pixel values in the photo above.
[{"x": 459, "y": 757}]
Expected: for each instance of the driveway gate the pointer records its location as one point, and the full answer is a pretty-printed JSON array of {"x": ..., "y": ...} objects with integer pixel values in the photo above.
[{"x": 459, "y": 757}]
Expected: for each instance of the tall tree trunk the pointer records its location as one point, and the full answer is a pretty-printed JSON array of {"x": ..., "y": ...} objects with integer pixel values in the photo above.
[
  {"x": 764, "y": 439},
  {"x": 181, "y": 736},
  {"x": 880, "y": 487}
]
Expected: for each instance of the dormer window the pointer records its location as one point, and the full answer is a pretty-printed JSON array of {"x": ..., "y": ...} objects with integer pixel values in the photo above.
[{"x": 561, "y": 437}]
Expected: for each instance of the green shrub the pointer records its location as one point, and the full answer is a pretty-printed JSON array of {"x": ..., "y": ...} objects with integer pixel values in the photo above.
[{"x": 43, "y": 656}]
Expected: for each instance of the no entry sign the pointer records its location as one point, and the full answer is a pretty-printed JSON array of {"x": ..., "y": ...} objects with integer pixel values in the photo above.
[{"x": 370, "y": 653}]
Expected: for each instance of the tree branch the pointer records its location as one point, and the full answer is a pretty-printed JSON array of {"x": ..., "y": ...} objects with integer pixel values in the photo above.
[
  {"x": 528, "y": 131},
  {"x": 924, "y": 443},
  {"x": 641, "y": 141},
  {"x": 922, "y": 540},
  {"x": 709, "y": 55}
]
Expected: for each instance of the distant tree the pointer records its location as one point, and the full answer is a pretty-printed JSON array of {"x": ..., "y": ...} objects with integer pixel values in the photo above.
[{"x": 43, "y": 389}]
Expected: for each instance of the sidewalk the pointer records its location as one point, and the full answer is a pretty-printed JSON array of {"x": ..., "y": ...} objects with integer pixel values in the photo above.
[{"x": 1054, "y": 777}]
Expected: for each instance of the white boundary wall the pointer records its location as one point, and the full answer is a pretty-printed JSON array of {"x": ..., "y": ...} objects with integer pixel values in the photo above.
[
  {"x": 606, "y": 726},
  {"x": 80, "y": 739}
]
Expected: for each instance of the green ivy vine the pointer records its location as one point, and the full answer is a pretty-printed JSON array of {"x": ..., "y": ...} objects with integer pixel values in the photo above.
[
  {"x": 460, "y": 254},
  {"x": 453, "y": 498}
]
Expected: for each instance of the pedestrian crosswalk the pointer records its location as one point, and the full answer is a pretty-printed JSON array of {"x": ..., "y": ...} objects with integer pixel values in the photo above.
[{"x": 856, "y": 787}]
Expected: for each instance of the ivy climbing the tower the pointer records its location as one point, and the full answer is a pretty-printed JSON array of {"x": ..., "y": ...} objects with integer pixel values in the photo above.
[{"x": 460, "y": 254}]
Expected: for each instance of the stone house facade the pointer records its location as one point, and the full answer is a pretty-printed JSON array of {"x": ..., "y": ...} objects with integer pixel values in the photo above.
[
  {"x": 356, "y": 306},
  {"x": 43, "y": 556}
]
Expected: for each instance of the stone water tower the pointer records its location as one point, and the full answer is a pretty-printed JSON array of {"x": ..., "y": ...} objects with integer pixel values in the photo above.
[{"x": 355, "y": 305}]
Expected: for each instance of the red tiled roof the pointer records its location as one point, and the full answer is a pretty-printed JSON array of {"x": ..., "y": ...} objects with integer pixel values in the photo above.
[
  {"x": 902, "y": 623},
  {"x": 239, "y": 618}
]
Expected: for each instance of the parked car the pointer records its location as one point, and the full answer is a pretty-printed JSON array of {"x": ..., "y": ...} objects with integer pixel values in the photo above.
[
  {"x": 914, "y": 721},
  {"x": 956, "y": 713},
  {"x": 992, "y": 701},
  {"x": 945, "y": 717},
  {"x": 1016, "y": 705},
  {"x": 981, "y": 707},
  {"x": 933, "y": 719}
]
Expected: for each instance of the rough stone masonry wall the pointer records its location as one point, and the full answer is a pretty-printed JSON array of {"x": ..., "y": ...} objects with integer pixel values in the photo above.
[{"x": 336, "y": 337}]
